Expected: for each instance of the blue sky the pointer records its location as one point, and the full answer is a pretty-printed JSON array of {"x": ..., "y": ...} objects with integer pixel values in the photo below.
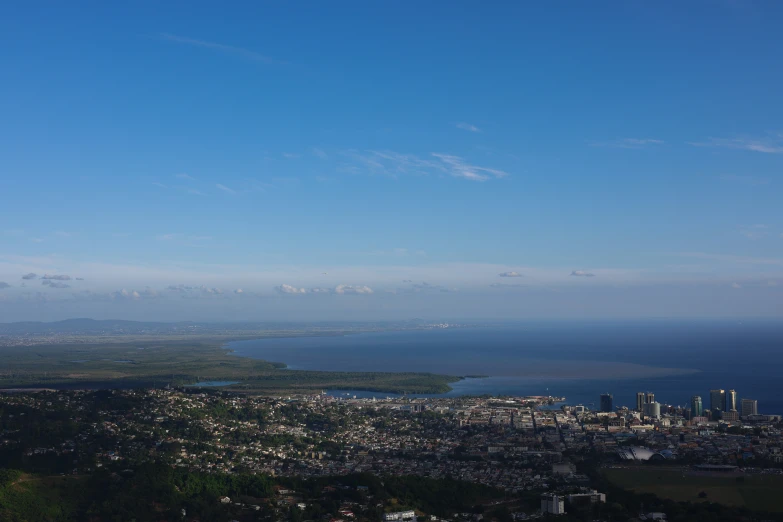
[{"x": 372, "y": 160}]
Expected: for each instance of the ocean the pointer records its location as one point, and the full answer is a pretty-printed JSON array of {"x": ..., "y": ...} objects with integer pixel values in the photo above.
[{"x": 577, "y": 360}]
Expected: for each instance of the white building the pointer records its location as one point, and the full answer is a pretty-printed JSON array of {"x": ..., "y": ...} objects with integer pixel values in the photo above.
[
  {"x": 400, "y": 516},
  {"x": 589, "y": 496},
  {"x": 652, "y": 410},
  {"x": 552, "y": 504},
  {"x": 749, "y": 407}
]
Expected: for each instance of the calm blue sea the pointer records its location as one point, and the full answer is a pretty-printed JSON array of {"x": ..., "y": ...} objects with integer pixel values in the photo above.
[{"x": 580, "y": 361}]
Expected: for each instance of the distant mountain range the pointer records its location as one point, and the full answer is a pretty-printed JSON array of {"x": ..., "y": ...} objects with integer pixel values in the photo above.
[
  {"x": 117, "y": 326},
  {"x": 85, "y": 325}
]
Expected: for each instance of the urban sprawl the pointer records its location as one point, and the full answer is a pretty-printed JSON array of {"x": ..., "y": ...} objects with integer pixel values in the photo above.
[{"x": 521, "y": 445}]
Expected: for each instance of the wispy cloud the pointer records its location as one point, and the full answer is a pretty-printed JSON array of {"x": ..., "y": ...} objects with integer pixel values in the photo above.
[
  {"x": 581, "y": 273},
  {"x": 192, "y": 292},
  {"x": 182, "y": 175},
  {"x": 319, "y": 153},
  {"x": 229, "y": 49},
  {"x": 772, "y": 144},
  {"x": 628, "y": 143},
  {"x": 754, "y": 231},
  {"x": 159, "y": 184},
  {"x": 350, "y": 289},
  {"x": 226, "y": 189},
  {"x": 288, "y": 289},
  {"x": 424, "y": 286},
  {"x": 467, "y": 127},
  {"x": 338, "y": 290},
  {"x": 180, "y": 288},
  {"x": 394, "y": 164},
  {"x": 119, "y": 295},
  {"x": 62, "y": 233},
  {"x": 54, "y": 284},
  {"x": 291, "y": 155},
  {"x": 125, "y": 294},
  {"x": 194, "y": 192},
  {"x": 510, "y": 274},
  {"x": 736, "y": 286},
  {"x": 3, "y": 284},
  {"x": 29, "y": 276},
  {"x": 56, "y": 277},
  {"x": 459, "y": 168}
]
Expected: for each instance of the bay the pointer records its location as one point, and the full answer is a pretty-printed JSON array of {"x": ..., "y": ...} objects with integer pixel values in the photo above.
[{"x": 578, "y": 360}]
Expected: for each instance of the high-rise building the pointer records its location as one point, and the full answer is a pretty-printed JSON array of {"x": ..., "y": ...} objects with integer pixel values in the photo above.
[
  {"x": 731, "y": 401},
  {"x": 639, "y": 401},
  {"x": 750, "y": 407},
  {"x": 606, "y": 402},
  {"x": 731, "y": 416},
  {"x": 651, "y": 410},
  {"x": 717, "y": 400},
  {"x": 643, "y": 398},
  {"x": 697, "y": 408},
  {"x": 552, "y": 504}
]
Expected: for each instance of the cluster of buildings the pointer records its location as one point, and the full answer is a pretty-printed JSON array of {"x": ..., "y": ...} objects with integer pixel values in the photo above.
[
  {"x": 723, "y": 406},
  {"x": 519, "y": 444}
]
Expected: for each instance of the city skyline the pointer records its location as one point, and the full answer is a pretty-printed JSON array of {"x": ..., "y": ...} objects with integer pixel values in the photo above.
[
  {"x": 695, "y": 404},
  {"x": 373, "y": 161}
]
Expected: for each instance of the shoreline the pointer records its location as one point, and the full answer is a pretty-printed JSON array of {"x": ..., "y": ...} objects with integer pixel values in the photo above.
[
  {"x": 257, "y": 375},
  {"x": 569, "y": 369}
]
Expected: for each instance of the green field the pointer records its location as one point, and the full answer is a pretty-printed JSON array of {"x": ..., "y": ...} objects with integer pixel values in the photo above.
[
  {"x": 757, "y": 492},
  {"x": 158, "y": 363}
]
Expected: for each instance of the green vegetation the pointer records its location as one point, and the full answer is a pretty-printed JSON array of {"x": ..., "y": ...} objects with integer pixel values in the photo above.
[
  {"x": 155, "y": 364},
  {"x": 31, "y": 498},
  {"x": 758, "y": 492},
  {"x": 159, "y": 492}
]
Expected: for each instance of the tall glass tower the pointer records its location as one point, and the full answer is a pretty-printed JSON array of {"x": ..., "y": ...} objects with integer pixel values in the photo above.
[
  {"x": 697, "y": 409},
  {"x": 731, "y": 401},
  {"x": 717, "y": 400}
]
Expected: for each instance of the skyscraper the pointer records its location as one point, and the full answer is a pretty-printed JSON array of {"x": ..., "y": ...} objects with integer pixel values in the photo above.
[
  {"x": 649, "y": 398},
  {"x": 652, "y": 410},
  {"x": 731, "y": 401},
  {"x": 639, "y": 401},
  {"x": 606, "y": 402},
  {"x": 750, "y": 407},
  {"x": 717, "y": 400},
  {"x": 697, "y": 408}
]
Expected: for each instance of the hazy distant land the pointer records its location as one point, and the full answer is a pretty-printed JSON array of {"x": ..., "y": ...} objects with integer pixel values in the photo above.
[{"x": 95, "y": 354}]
